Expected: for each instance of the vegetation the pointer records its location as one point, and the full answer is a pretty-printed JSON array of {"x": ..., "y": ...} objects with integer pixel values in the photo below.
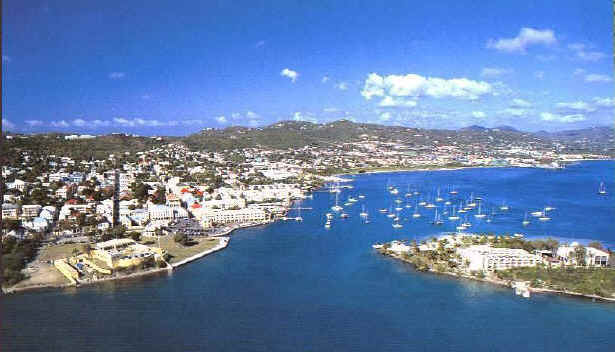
[
  {"x": 15, "y": 256},
  {"x": 593, "y": 281}
]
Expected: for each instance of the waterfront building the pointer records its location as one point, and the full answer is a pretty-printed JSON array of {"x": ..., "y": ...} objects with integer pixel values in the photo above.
[
  {"x": 10, "y": 211},
  {"x": 250, "y": 214},
  {"x": 124, "y": 252},
  {"x": 593, "y": 256},
  {"x": 487, "y": 258}
]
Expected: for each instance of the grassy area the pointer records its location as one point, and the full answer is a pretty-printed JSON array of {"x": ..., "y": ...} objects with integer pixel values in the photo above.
[
  {"x": 588, "y": 281},
  {"x": 58, "y": 251},
  {"x": 179, "y": 252}
]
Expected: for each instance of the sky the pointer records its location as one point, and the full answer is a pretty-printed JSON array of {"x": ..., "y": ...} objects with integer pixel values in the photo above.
[{"x": 176, "y": 67}]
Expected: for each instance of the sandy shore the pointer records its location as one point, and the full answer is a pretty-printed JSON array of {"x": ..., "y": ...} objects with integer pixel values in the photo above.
[
  {"x": 222, "y": 243},
  {"x": 505, "y": 283}
]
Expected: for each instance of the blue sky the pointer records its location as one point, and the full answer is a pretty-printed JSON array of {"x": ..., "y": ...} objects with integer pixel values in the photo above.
[{"x": 175, "y": 67}]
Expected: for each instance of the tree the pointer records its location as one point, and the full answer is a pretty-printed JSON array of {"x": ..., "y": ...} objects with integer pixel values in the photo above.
[
  {"x": 596, "y": 245},
  {"x": 579, "y": 254},
  {"x": 135, "y": 236},
  {"x": 180, "y": 238},
  {"x": 85, "y": 248}
]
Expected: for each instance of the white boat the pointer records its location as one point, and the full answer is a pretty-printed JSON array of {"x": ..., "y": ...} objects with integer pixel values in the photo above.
[
  {"x": 329, "y": 216},
  {"x": 398, "y": 201},
  {"x": 394, "y": 191},
  {"x": 549, "y": 208},
  {"x": 602, "y": 189},
  {"x": 544, "y": 216},
  {"x": 361, "y": 196},
  {"x": 537, "y": 214},
  {"x": 479, "y": 215},
  {"x": 466, "y": 223},
  {"x": 525, "y": 220},
  {"x": 454, "y": 216},
  {"x": 377, "y": 245},
  {"x": 347, "y": 204},
  {"x": 430, "y": 206},
  {"x": 504, "y": 207},
  {"x": 460, "y": 228},
  {"x": 390, "y": 214},
  {"x": 351, "y": 200},
  {"x": 448, "y": 202},
  {"x": 336, "y": 207},
  {"x": 416, "y": 212},
  {"x": 327, "y": 225},
  {"x": 343, "y": 215},
  {"x": 438, "y": 198},
  {"x": 383, "y": 210},
  {"x": 363, "y": 213},
  {"x": 437, "y": 220},
  {"x": 397, "y": 226}
]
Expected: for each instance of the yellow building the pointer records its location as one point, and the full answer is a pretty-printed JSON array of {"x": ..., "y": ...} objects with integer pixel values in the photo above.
[{"x": 124, "y": 252}]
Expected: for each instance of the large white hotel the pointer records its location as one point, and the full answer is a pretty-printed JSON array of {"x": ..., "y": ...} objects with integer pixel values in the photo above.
[{"x": 487, "y": 258}]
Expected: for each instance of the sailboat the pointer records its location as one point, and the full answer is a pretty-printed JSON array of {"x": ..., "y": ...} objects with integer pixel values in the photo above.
[
  {"x": 544, "y": 216},
  {"x": 336, "y": 207},
  {"x": 480, "y": 215},
  {"x": 383, "y": 210},
  {"x": 436, "y": 220},
  {"x": 504, "y": 206},
  {"x": 438, "y": 198},
  {"x": 408, "y": 205},
  {"x": 602, "y": 189},
  {"x": 537, "y": 213},
  {"x": 328, "y": 224},
  {"x": 408, "y": 193},
  {"x": 416, "y": 212},
  {"x": 466, "y": 223},
  {"x": 391, "y": 215},
  {"x": 461, "y": 208},
  {"x": 453, "y": 191},
  {"x": 299, "y": 218},
  {"x": 471, "y": 203},
  {"x": 454, "y": 216},
  {"x": 490, "y": 217},
  {"x": 525, "y": 220},
  {"x": 397, "y": 225},
  {"x": 363, "y": 213}
]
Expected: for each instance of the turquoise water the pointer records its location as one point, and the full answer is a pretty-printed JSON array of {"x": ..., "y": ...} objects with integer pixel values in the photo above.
[{"x": 297, "y": 286}]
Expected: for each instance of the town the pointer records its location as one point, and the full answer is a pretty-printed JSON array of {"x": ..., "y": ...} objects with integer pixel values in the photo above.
[{"x": 169, "y": 200}]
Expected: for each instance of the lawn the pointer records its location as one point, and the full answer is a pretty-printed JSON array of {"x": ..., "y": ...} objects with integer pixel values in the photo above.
[
  {"x": 179, "y": 252},
  {"x": 58, "y": 251}
]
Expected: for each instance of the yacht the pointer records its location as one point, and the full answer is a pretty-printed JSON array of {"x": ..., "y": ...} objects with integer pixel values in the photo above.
[
  {"x": 549, "y": 208},
  {"x": 525, "y": 220},
  {"x": 336, "y": 207},
  {"x": 397, "y": 225},
  {"x": 383, "y": 210},
  {"x": 329, "y": 216},
  {"x": 416, "y": 212},
  {"x": 398, "y": 201},
  {"x": 394, "y": 191},
  {"x": 454, "y": 216},
  {"x": 363, "y": 213},
  {"x": 436, "y": 220},
  {"x": 466, "y": 223},
  {"x": 544, "y": 216},
  {"x": 343, "y": 215},
  {"x": 602, "y": 189},
  {"x": 461, "y": 208},
  {"x": 361, "y": 196},
  {"x": 438, "y": 198},
  {"x": 328, "y": 224},
  {"x": 480, "y": 215},
  {"x": 537, "y": 214},
  {"x": 504, "y": 206}
]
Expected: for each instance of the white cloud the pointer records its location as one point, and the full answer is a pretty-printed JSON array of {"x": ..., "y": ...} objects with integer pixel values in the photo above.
[
  {"x": 34, "y": 123},
  {"x": 389, "y": 101},
  {"x": 578, "y": 71},
  {"x": 299, "y": 116},
  {"x": 515, "y": 112},
  {"x": 585, "y": 55},
  {"x": 494, "y": 72},
  {"x": 604, "y": 102},
  {"x": 547, "y": 116},
  {"x": 221, "y": 119},
  {"x": 526, "y": 37},
  {"x": 414, "y": 86},
  {"x": 539, "y": 74},
  {"x": 520, "y": 103},
  {"x": 100, "y": 123},
  {"x": 61, "y": 124},
  {"x": 577, "y": 106},
  {"x": 594, "y": 77},
  {"x": 117, "y": 75},
  {"x": 478, "y": 114},
  {"x": 342, "y": 86},
  {"x": 124, "y": 122},
  {"x": 325, "y": 79},
  {"x": 7, "y": 125},
  {"x": 79, "y": 122},
  {"x": 290, "y": 74},
  {"x": 251, "y": 115},
  {"x": 385, "y": 116}
]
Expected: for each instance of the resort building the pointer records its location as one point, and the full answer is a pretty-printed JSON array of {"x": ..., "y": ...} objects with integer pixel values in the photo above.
[
  {"x": 593, "y": 256},
  {"x": 245, "y": 215},
  {"x": 487, "y": 258}
]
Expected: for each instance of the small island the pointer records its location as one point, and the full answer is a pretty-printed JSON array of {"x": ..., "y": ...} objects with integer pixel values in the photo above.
[{"x": 539, "y": 265}]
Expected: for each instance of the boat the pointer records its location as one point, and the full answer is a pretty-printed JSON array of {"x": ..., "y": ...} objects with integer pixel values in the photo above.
[
  {"x": 448, "y": 202},
  {"x": 544, "y": 218},
  {"x": 549, "y": 208},
  {"x": 438, "y": 198},
  {"x": 383, "y": 210},
  {"x": 461, "y": 208},
  {"x": 430, "y": 205},
  {"x": 437, "y": 220},
  {"x": 416, "y": 212},
  {"x": 394, "y": 191},
  {"x": 344, "y": 215},
  {"x": 537, "y": 214},
  {"x": 351, "y": 200},
  {"x": 390, "y": 214},
  {"x": 525, "y": 220},
  {"x": 336, "y": 207},
  {"x": 328, "y": 224},
  {"x": 398, "y": 201},
  {"x": 453, "y": 191},
  {"x": 347, "y": 204},
  {"x": 422, "y": 203},
  {"x": 329, "y": 216},
  {"x": 363, "y": 213},
  {"x": 361, "y": 196},
  {"x": 479, "y": 215},
  {"x": 490, "y": 217},
  {"x": 504, "y": 206},
  {"x": 602, "y": 189},
  {"x": 397, "y": 225},
  {"x": 454, "y": 216},
  {"x": 399, "y": 209},
  {"x": 466, "y": 223},
  {"x": 377, "y": 245},
  {"x": 299, "y": 218},
  {"x": 471, "y": 202},
  {"x": 460, "y": 228}
]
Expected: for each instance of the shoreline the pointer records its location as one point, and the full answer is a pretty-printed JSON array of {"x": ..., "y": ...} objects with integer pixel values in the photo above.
[
  {"x": 503, "y": 283},
  {"x": 223, "y": 243},
  {"x": 452, "y": 168}
]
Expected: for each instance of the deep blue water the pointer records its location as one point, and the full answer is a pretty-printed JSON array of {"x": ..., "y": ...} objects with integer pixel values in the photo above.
[{"x": 299, "y": 287}]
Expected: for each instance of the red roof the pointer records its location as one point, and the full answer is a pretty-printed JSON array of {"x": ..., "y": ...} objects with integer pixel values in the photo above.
[
  {"x": 184, "y": 190},
  {"x": 72, "y": 201},
  {"x": 195, "y": 205}
]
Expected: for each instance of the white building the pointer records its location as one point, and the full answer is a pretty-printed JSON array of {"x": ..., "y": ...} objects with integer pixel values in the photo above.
[
  {"x": 220, "y": 217},
  {"x": 487, "y": 258},
  {"x": 593, "y": 256}
]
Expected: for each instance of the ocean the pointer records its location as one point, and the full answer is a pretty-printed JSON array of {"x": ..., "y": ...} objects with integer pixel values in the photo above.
[{"x": 298, "y": 286}]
